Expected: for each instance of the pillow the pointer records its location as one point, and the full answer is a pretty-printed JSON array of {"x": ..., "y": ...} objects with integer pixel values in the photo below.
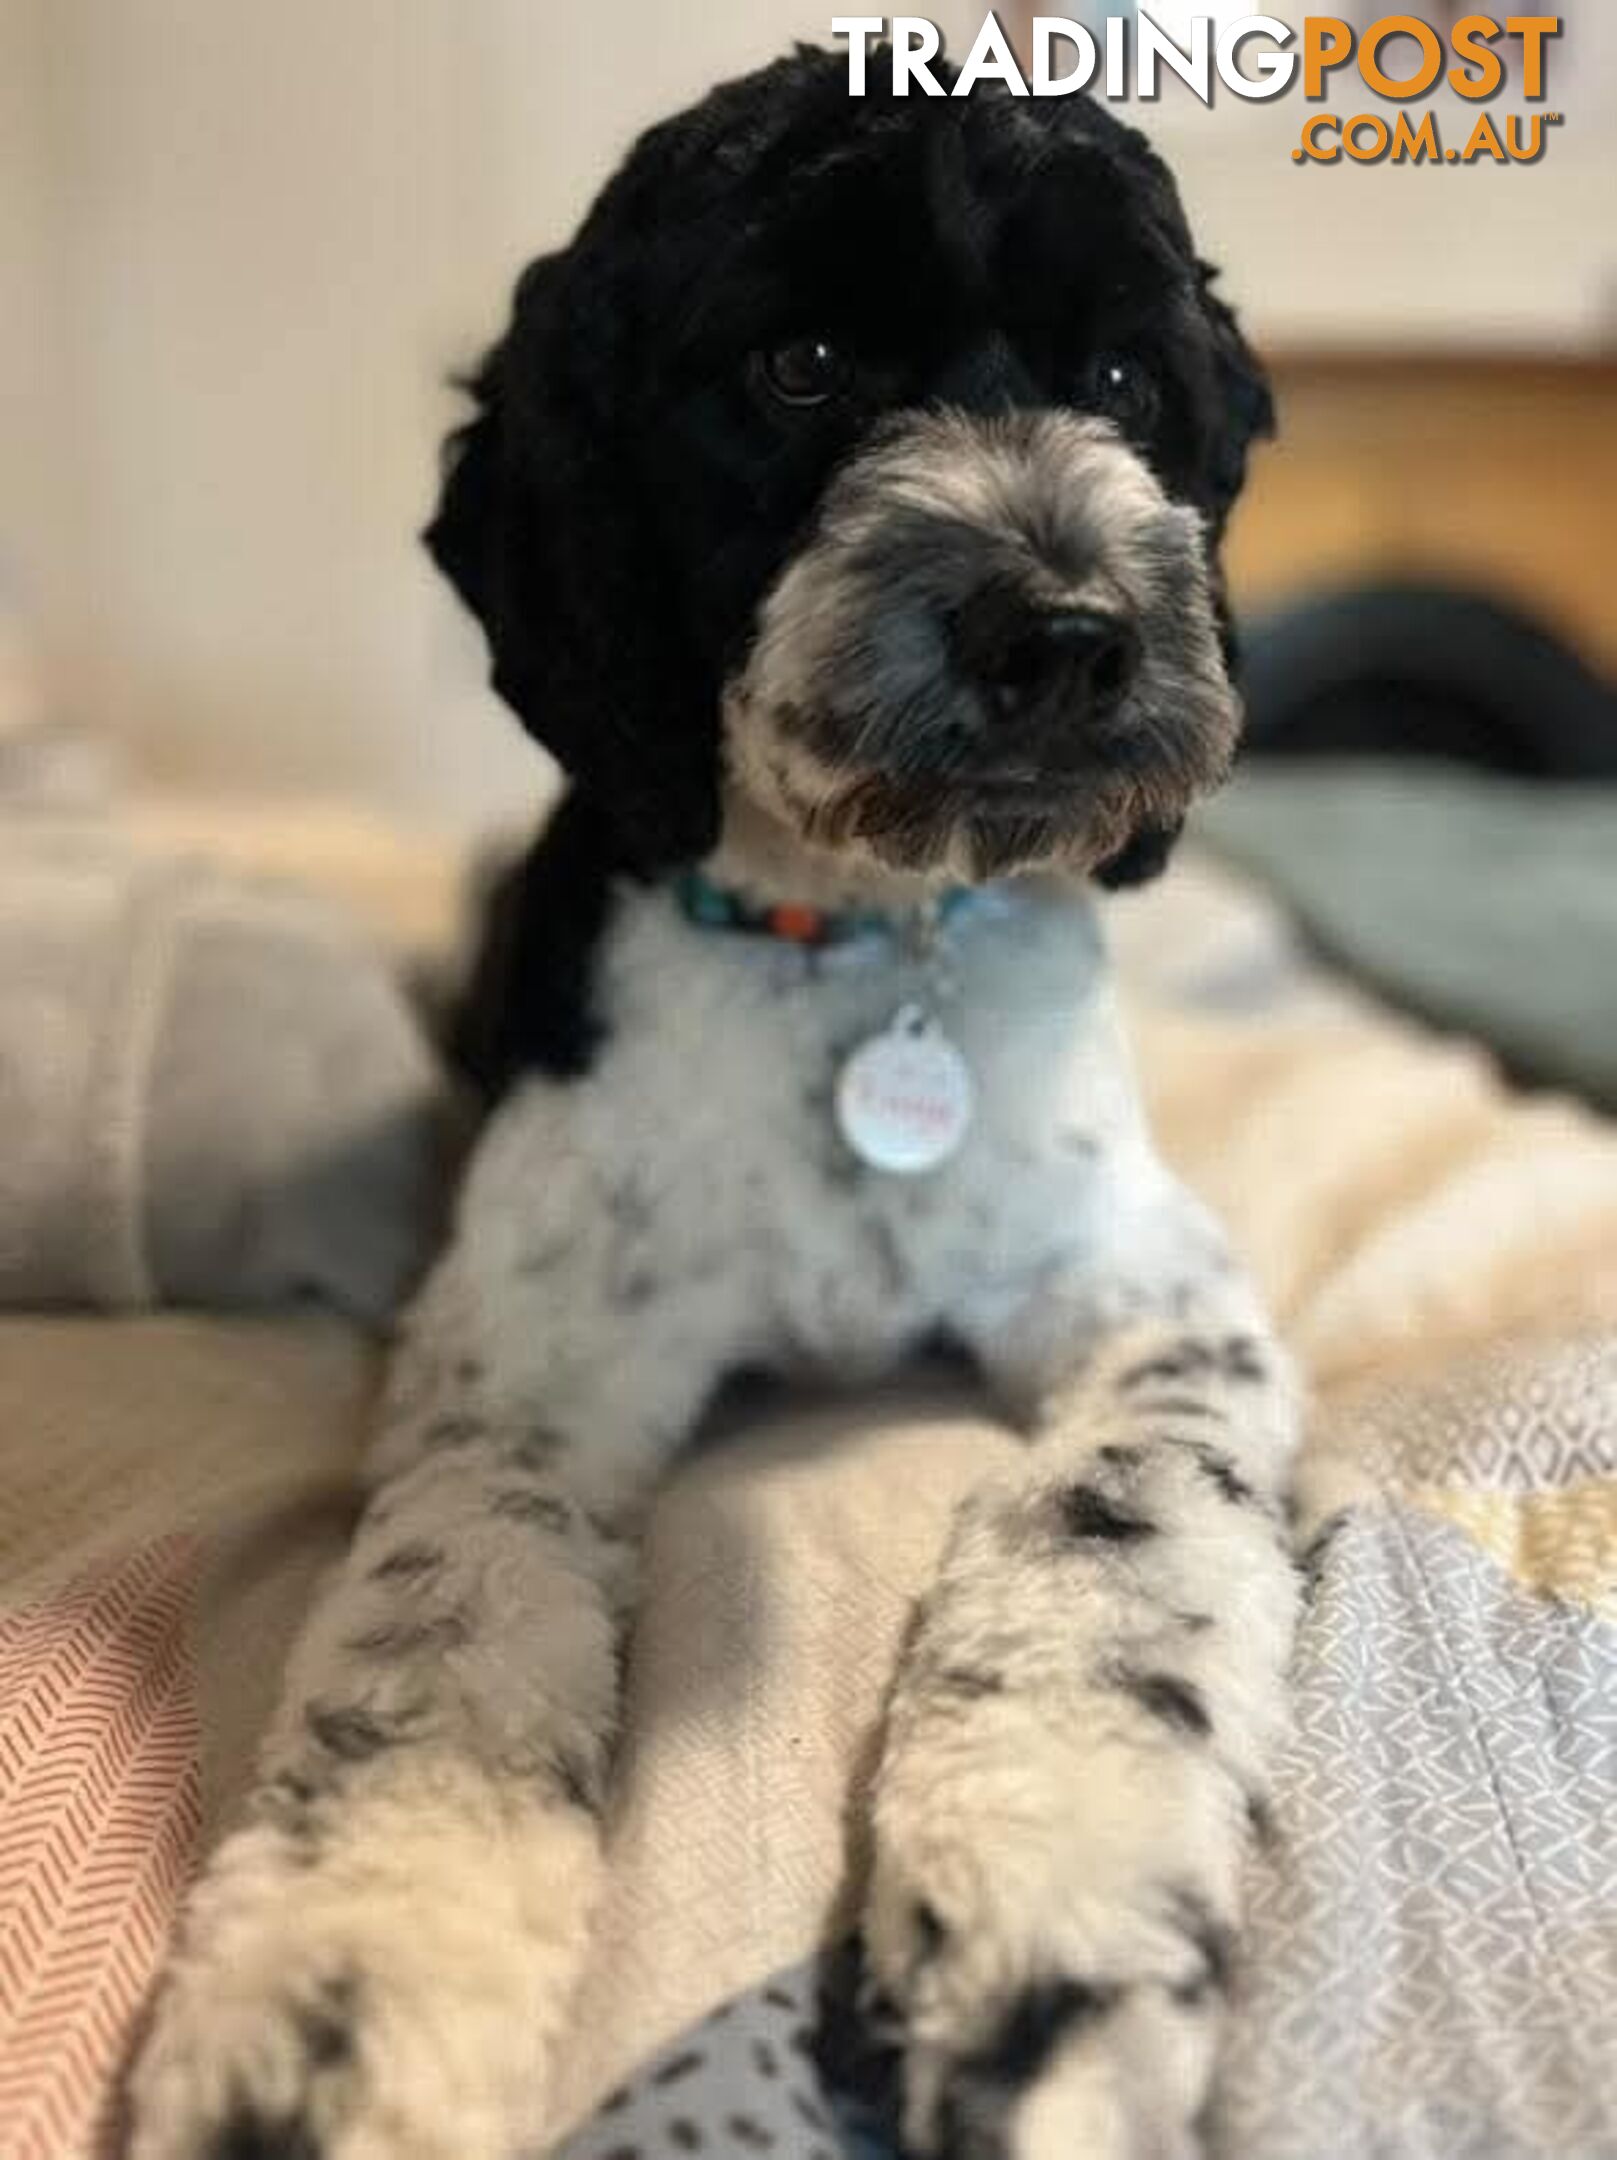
[{"x": 213, "y": 1090}]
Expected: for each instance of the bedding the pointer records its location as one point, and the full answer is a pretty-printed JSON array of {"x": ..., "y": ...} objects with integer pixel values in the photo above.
[
  {"x": 213, "y": 1088},
  {"x": 1433, "y": 1966},
  {"x": 1480, "y": 902}
]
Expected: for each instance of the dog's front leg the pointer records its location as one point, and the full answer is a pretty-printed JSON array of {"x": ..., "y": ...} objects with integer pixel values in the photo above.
[
  {"x": 377, "y": 1964},
  {"x": 1080, "y": 1733}
]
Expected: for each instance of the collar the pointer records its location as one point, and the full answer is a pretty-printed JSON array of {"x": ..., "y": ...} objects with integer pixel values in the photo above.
[{"x": 710, "y": 906}]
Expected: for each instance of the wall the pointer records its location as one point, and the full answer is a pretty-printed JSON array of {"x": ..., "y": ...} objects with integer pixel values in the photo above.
[
  {"x": 30, "y": 349},
  {"x": 270, "y": 233}
]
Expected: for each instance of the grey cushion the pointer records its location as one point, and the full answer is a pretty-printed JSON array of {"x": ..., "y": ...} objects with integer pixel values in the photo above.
[{"x": 212, "y": 1091}]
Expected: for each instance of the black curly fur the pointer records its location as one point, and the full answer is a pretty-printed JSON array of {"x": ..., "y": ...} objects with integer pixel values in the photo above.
[{"x": 621, "y": 497}]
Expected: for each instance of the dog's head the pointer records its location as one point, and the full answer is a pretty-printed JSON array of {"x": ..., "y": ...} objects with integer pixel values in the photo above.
[{"x": 869, "y": 458}]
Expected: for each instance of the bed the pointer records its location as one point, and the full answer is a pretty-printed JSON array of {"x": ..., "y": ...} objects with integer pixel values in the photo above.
[{"x": 1432, "y": 1965}]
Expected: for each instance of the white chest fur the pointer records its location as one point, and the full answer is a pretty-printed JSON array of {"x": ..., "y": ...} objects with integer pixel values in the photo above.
[{"x": 695, "y": 1179}]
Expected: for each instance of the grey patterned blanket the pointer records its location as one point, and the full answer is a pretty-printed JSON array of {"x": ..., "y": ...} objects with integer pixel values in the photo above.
[{"x": 1431, "y": 1972}]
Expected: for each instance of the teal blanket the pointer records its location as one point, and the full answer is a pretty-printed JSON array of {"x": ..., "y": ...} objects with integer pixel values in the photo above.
[{"x": 1485, "y": 905}]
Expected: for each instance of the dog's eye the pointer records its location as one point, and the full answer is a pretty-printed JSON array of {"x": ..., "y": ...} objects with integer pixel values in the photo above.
[
  {"x": 1122, "y": 390},
  {"x": 804, "y": 371}
]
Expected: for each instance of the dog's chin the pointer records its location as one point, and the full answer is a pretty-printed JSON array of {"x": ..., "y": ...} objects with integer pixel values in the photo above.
[
  {"x": 943, "y": 817},
  {"x": 974, "y": 831}
]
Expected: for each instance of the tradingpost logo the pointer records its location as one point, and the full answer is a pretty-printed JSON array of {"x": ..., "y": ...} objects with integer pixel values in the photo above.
[
  {"x": 1469, "y": 61},
  {"x": 1258, "y": 57}
]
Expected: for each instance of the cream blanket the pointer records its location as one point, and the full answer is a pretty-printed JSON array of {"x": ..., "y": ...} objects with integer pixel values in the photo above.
[{"x": 1443, "y": 1256}]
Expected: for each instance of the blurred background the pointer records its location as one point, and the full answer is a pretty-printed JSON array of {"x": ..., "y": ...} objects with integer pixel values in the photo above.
[{"x": 242, "y": 248}]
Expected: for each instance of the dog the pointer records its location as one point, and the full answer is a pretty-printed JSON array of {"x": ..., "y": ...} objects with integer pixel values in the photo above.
[{"x": 842, "y": 509}]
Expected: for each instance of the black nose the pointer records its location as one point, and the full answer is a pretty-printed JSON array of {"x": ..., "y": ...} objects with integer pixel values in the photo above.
[
  {"x": 1099, "y": 653},
  {"x": 1080, "y": 660}
]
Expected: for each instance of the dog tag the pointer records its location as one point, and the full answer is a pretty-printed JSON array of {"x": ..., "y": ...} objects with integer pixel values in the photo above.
[{"x": 904, "y": 1098}]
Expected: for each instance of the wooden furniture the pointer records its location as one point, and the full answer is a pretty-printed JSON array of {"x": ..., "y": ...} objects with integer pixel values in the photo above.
[{"x": 1499, "y": 472}]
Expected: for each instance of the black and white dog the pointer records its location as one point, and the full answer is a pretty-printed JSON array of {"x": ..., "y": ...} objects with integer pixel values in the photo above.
[{"x": 843, "y": 510}]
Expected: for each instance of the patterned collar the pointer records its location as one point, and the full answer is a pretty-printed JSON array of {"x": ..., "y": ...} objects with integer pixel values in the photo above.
[{"x": 718, "y": 907}]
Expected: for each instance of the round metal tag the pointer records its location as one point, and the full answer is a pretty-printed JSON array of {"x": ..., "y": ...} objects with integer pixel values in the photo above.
[{"x": 904, "y": 1098}]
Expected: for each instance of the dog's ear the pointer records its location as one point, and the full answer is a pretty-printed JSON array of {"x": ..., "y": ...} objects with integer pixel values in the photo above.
[
  {"x": 1143, "y": 858},
  {"x": 460, "y": 533},
  {"x": 544, "y": 531},
  {"x": 1244, "y": 410},
  {"x": 1241, "y": 414}
]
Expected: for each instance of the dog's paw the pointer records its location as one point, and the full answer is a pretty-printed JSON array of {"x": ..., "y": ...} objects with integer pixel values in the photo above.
[
  {"x": 1047, "y": 1958},
  {"x": 362, "y": 2005},
  {"x": 252, "y": 2065},
  {"x": 1023, "y": 2063},
  {"x": 1035, "y": 2077}
]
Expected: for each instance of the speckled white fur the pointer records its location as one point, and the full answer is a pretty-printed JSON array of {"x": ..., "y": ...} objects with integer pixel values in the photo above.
[{"x": 379, "y": 1959}]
